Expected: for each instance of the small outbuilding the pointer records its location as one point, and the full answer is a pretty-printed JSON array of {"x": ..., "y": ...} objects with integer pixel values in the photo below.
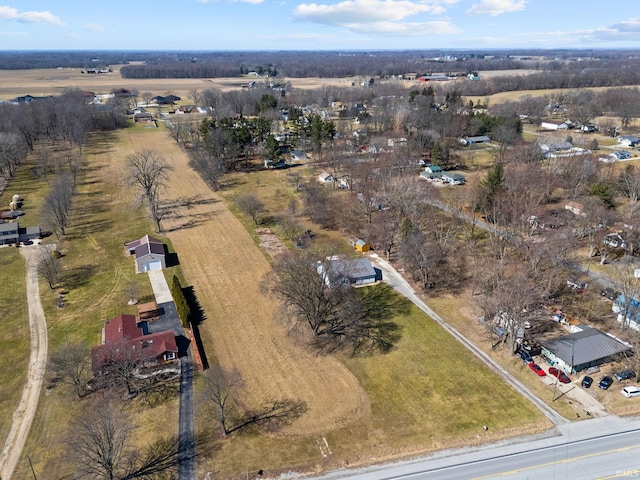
[
  {"x": 588, "y": 347},
  {"x": 149, "y": 253},
  {"x": 362, "y": 246}
]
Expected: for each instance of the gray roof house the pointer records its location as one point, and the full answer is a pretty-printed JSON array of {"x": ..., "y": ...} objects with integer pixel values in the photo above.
[
  {"x": 149, "y": 253},
  {"x": 628, "y": 140},
  {"x": 8, "y": 233},
  {"x": 466, "y": 141},
  {"x": 341, "y": 270},
  {"x": 586, "y": 348}
]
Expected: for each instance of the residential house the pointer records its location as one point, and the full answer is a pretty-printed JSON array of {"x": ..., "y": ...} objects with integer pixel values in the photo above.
[
  {"x": 588, "y": 347},
  {"x": 466, "y": 141},
  {"x": 339, "y": 270},
  {"x": 628, "y": 140},
  {"x": 8, "y": 233},
  {"x": 453, "y": 178},
  {"x": 551, "y": 125},
  {"x": 142, "y": 117},
  {"x": 326, "y": 177},
  {"x": 433, "y": 169},
  {"x": 124, "y": 339},
  {"x": 396, "y": 142},
  {"x": 628, "y": 311},
  {"x": 614, "y": 240},
  {"x": 149, "y": 253},
  {"x": 298, "y": 156}
]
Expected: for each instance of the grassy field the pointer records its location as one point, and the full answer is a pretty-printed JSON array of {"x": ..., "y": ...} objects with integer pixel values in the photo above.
[
  {"x": 96, "y": 275},
  {"x": 14, "y": 334}
]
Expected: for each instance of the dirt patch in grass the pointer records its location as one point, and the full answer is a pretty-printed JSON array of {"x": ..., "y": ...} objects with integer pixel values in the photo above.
[{"x": 271, "y": 243}]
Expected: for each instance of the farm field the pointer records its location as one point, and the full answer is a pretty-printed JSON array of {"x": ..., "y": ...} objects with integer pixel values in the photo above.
[{"x": 41, "y": 82}]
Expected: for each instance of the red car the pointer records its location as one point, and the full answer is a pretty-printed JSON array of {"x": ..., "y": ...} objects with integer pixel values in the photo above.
[
  {"x": 540, "y": 372},
  {"x": 560, "y": 374}
]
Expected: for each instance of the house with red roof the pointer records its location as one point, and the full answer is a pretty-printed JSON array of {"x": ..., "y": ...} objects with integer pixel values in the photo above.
[
  {"x": 149, "y": 253},
  {"x": 124, "y": 340}
]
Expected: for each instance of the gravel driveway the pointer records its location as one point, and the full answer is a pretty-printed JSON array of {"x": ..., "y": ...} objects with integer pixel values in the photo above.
[{"x": 24, "y": 414}]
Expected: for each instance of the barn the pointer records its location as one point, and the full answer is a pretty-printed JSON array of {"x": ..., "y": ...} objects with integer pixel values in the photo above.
[{"x": 149, "y": 253}]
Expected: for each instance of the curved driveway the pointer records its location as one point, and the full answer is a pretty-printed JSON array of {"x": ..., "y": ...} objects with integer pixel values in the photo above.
[{"x": 24, "y": 414}]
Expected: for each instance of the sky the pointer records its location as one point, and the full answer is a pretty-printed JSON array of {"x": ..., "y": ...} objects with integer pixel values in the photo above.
[{"x": 236, "y": 25}]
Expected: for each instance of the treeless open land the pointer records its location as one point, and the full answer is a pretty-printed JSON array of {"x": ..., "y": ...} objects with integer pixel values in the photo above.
[{"x": 42, "y": 82}]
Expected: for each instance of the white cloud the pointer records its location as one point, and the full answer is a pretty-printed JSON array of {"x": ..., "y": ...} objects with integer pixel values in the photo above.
[
  {"x": 364, "y": 12},
  {"x": 496, "y": 7},
  {"x": 621, "y": 31},
  {"x": 93, "y": 27},
  {"x": 10, "y": 13}
]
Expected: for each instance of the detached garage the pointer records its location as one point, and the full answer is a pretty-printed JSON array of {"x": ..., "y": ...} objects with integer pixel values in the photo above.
[{"x": 149, "y": 253}]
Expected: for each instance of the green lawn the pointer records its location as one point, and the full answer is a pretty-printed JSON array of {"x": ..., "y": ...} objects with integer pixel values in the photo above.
[{"x": 14, "y": 334}]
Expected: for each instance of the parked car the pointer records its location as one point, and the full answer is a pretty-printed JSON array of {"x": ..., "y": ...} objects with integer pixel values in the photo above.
[
  {"x": 630, "y": 391},
  {"x": 625, "y": 375},
  {"x": 559, "y": 374},
  {"x": 610, "y": 293},
  {"x": 536, "y": 368},
  {"x": 526, "y": 356},
  {"x": 605, "y": 382},
  {"x": 587, "y": 381}
]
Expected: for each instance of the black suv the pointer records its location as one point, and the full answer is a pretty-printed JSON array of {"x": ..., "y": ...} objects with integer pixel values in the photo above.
[
  {"x": 587, "y": 381},
  {"x": 625, "y": 375},
  {"x": 605, "y": 383}
]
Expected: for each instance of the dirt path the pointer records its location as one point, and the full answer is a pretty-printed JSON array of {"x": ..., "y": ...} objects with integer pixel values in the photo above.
[
  {"x": 225, "y": 267},
  {"x": 24, "y": 414}
]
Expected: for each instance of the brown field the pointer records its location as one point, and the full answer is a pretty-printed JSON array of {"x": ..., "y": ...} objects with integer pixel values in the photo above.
[{"x": 41, "y": 82}]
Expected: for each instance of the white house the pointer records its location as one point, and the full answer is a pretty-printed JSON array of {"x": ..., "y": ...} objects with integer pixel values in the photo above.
[
  {"x": 628, "y": 140},
  {"x": 326, "y": 177},
  {"x": 549, "y": 125},
  {"x": 337, "y": 270}
]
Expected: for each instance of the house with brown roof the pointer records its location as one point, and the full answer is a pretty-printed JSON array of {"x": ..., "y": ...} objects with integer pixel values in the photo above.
[
  {"x": 149, "y": 252},
  {"x": 124, "y": 340}
]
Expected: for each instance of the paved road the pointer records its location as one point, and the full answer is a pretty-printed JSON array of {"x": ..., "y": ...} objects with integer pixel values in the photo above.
[
  {"x": 186, "y": 425},
  {"x": 24, "y": 414},
  {"x": 599, "y": 448}
]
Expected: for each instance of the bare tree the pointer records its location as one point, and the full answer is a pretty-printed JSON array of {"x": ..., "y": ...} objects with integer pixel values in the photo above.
[
  {"x": 55, "y": 210},
  {"x": 251, "y": 205},
  {"x": 13, "y": 151},
  {"x": 100, "y": 441},
  {"x": 71, "y": 364},
  {"x": 49, "y": 267},
  {"x": 220, "y": 388},
  {"x": 421, "y": 258},
  {"x": 149, "y": 172},
  {"x": 103, "y": 446},
  {"x": 315, "y": 293}
]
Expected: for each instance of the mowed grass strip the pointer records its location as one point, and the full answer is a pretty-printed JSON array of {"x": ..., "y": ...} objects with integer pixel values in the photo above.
[
  {"x": 14, "y": 335},
  {"x": 431, "y": 392},
  {"x": 96, "y": 274}
]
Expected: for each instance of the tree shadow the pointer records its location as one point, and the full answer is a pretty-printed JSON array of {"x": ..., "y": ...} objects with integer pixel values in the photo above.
[
  {"x": 79, "y": 276},
  {"x": 196, "y": 317}
]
